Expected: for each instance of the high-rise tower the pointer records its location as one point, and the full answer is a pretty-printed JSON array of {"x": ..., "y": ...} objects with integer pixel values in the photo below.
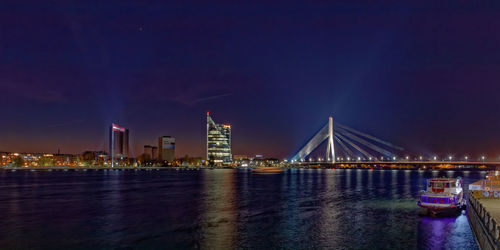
[
  {"x": 118, "y": 142},
  {"x": 218, "y": 142},
  {"x": 166, "y": 148}
]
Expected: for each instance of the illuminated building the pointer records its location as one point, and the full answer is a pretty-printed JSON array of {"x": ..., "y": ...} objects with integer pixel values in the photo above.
[
  {"x": 240, "y": 157},
  {"x": 218, "y": 142},
  {"x": 166, "y": 148},
  {"x": 118, "y": 142}
]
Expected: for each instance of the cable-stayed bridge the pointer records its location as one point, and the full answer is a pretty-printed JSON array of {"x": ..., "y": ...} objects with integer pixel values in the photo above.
[{"x": 345, "y": 145}]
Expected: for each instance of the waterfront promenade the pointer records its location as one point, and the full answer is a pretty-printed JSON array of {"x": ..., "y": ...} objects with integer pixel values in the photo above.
[
  {"x": 493, "y": 207},
  {"x": 484, "y": 211}
]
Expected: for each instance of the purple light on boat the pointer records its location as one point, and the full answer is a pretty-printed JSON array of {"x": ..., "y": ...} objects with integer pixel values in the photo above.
[{"x": 436, "y": 200}]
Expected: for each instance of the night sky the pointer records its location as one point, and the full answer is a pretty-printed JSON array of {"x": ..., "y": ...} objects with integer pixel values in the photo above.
[{"x": 424, "y": 76}]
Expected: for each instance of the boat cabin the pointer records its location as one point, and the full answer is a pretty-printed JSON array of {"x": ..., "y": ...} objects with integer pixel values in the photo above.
[{"x": 443, "y": 185}]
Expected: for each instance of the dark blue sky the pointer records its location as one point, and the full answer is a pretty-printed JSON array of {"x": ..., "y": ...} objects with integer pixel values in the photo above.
[{"x": 425, "y": 76}]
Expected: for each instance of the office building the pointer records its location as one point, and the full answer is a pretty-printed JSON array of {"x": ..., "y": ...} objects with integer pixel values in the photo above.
[
  {"x": 218, "y": 142},
  {"x": 166, "y": 148},
  {"x": 151, "y": 152},
  {"x": 154, "y": 153},
  {"x": 118, "y": 142}
]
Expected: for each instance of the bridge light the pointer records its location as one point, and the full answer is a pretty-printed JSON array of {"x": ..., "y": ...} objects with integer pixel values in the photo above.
[
  {"x": 394, "y": 158},
  {"x": 359, "y": 158},
  {"x": 483, "y": 157},
  {"x": 435, "y": 158},
  {"x": 420, "y": 157},
  {"x": 370, "y": 158},
  {"x": 348, "y": 158},
  {"x": 449, "y": 157},
  {"x": 407, "y": 157},
  {"x": 466, "y": 158}
]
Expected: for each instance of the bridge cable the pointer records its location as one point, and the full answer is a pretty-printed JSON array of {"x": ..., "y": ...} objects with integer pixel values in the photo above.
[
  {"x": 344, "y": 147},
  {"x": 366, "y": 154},
  {"x": 366, "y": 143},
  {"x": 312, "y": 144},
  {"x": 370, "y": 137}
]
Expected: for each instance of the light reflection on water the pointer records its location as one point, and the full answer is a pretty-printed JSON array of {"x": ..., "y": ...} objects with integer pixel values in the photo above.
[
  {"x": 219, "y": 217},
  {"x": 221, "y": 209}
]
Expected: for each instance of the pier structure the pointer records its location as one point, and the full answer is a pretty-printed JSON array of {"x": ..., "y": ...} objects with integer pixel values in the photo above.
[{"x": 483, "y": 211}]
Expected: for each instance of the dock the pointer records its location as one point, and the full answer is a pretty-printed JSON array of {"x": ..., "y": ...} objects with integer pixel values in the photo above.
[{"x": 483, "y": 211}]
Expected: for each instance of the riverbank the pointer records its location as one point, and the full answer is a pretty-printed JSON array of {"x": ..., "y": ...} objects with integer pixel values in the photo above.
[{"x": 87, "y": 168}]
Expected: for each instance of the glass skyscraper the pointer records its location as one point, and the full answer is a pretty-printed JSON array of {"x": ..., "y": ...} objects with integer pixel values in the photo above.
[{"x": 218, "y": 142}]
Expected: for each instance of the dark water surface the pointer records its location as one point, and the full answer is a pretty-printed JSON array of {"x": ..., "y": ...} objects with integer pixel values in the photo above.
[{"x": 221, "y": 209}]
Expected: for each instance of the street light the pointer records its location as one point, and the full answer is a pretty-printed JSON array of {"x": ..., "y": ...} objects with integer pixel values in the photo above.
[
  {"x": 482, "y": 158},
  {"x": 435, "y": 158},
  {"x": 420, "y": 157},
  {"x": 466, "y": 158},
  {"x": 449, "y": 157}
]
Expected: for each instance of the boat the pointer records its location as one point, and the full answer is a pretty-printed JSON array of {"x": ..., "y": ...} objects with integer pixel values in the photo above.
[
  {"x": 267, "y": 170},
  {"x": 444, "y": 196}
]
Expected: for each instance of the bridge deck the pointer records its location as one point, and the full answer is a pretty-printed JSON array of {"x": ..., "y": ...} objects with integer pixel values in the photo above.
[{"x": 408, "y": 162}]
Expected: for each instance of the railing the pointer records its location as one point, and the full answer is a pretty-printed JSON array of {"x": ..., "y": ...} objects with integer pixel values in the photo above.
[{"x": 487, "y": 220}]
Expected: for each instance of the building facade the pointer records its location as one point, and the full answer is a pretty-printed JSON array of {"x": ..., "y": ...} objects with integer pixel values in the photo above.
[
  {"x": 166, "y": 148},
  {"x": 118, "y": 142},
  {"x": 218, "y": 142},
  {"x": 148, "y": 153}
]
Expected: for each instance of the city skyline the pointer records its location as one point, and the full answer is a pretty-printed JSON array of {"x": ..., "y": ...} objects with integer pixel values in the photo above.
[
  {"x": 249, "y": 124},
  {"x": 425, "y": 79}
]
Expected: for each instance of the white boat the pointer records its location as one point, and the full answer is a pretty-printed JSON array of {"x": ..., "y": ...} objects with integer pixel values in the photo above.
[{"x": 443, "y": 196}]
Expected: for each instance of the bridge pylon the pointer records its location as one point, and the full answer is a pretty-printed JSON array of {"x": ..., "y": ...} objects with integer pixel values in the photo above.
[{"x": 330, "y": 148}]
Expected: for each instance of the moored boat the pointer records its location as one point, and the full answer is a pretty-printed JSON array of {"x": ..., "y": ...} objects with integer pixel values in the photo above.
[
  {"x": 443, "y": 196},
  {"x": 267, "y": 170}
]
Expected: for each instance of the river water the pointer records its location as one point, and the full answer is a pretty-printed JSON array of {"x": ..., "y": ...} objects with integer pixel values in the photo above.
[{"x": 225, "y": 209}]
